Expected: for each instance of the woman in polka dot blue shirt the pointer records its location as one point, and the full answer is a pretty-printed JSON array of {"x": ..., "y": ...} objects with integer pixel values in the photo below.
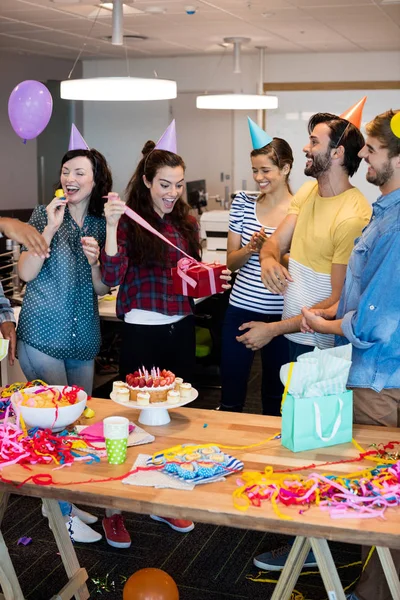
[{"x": 59, "y": 326}]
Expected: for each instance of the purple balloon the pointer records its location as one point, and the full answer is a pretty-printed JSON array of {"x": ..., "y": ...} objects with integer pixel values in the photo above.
[{"x": 29, "y": 108}]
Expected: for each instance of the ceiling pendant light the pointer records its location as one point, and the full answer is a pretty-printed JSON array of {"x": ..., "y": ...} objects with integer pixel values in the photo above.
[
  {"x": 117, "y": 88},
  {"x": 236, "y": 101}
]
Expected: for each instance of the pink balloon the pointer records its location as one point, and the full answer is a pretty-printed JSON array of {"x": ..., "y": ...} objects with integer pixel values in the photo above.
[{"x": 29, "y": 108}]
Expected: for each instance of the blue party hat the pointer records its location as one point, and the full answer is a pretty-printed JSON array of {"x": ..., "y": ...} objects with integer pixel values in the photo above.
[{"x": 259, "y": 138}]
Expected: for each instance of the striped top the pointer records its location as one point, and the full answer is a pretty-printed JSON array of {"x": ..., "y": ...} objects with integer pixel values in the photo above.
[
  {"x": 324, "y": 235},
  {"x": 248, "y": 291}
]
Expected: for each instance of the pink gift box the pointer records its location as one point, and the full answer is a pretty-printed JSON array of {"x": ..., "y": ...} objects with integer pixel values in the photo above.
[{"x": 197, "y": 280}]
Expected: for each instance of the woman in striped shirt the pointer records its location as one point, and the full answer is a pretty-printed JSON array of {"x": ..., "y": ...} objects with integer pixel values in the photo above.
[{"x": 252, "y": 219}]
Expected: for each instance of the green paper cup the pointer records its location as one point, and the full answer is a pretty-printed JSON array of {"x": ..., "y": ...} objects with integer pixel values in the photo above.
[
  {"x": 116, "y": 430},
  {"x": 116, "y": 451}
]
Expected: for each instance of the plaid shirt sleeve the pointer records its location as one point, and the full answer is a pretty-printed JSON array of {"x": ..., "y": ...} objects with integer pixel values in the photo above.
[
  {"x": 6, "y": 312},
  {"x": 114, "y": 268},
  {"x": 146, "y": 287}
]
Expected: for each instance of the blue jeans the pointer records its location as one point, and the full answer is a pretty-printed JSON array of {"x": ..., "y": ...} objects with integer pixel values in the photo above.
[
  {"x": 236, "y": 363},
  {"x": 296, "y": 350},
  {"x": 37, "y": 365}
]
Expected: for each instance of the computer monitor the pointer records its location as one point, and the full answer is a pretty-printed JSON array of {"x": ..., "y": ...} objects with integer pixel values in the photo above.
[{"x": 196, "y": 194}]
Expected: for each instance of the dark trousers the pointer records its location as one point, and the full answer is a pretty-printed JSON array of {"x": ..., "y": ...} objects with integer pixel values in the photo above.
[
  {"x": 237, "y": 360},
  {"x": 171, "y": 347},
  {"x": 296, "y": 350}
]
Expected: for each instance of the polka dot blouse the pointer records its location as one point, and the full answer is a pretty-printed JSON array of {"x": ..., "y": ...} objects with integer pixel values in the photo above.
[{"x": 60, "y": 315}]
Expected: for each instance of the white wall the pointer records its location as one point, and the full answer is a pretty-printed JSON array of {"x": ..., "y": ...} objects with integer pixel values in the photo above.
[
  {"x": 120, "y": 129},
  {"x": 18, "y": 162}
]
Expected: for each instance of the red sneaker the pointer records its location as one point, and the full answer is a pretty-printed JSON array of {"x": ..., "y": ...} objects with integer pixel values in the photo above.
[
  {"x": 177, "y": 524},
  {"x": 115, "y": 531}
]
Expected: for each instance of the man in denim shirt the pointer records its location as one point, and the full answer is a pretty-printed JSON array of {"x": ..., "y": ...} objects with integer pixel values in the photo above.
[{"x": 368, "y": 315}]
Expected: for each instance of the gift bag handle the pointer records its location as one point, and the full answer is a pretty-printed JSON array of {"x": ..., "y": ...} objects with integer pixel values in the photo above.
[
  {"x": 318, "y": 424},
  {"x": 285, "y": 391}
]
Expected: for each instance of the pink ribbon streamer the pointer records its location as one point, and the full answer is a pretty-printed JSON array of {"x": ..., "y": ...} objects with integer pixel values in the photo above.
[
  {"x": 184, "y": 263},
  {"x": 135, "y": 217}
]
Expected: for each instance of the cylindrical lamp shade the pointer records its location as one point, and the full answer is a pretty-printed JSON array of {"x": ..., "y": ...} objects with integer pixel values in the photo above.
[
  {"x": 236, "y": 102},
  {"x": 118, "y": 88}
]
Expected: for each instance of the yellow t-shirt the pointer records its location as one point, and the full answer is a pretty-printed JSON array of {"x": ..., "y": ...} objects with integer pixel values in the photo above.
[{"x": 324, "y": 235}]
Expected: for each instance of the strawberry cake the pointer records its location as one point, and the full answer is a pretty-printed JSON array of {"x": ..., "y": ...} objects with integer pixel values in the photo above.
[{"x": 155, "y": 382}]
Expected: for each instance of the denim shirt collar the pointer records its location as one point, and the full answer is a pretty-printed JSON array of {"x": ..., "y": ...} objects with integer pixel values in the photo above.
[{"x": 385, "y": 202}]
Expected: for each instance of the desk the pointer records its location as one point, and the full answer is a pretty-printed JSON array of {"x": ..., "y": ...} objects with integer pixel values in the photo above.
[
  {"x": 211, "y": 503},
  {"x": 107, "y": 306}
]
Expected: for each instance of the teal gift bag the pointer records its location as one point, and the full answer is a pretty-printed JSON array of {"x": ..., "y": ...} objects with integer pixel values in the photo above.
[{"x": 310, "y": 423}]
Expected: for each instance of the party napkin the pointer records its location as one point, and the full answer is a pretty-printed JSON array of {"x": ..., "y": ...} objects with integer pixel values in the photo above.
[
  {"x": 137, "y": 435},
  {"x": 95, "y": 432},
  {"x": 3, "y": 349},
  {"x": 157, "y": 479}
]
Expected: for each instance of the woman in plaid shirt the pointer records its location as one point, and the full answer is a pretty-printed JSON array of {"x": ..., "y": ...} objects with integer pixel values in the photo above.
[{"x": 159, "y": 326}]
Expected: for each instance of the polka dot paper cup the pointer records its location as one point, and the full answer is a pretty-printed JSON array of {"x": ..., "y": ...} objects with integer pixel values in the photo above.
[{"x": 116, "y": 430}]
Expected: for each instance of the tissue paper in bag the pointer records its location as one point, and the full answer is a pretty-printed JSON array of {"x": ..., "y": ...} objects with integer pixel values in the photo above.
[{"x": 318, "y": 409}]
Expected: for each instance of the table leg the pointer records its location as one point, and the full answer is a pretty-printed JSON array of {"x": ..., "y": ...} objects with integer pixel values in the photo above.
[
  {"x": 8, "y": 578},
  {"x": 4, "y": 497},
  {"x": 327, "y": 569},
  {"x": 390, "y": 571},
  {"x": 66, "y": 549},
  {"x": 292, "y": 569}
]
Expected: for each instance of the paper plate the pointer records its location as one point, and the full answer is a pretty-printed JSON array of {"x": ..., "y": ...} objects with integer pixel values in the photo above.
[{"x": 199, "y": 472}]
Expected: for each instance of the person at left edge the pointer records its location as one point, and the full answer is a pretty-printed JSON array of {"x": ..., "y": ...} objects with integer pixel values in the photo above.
[
  {"x": 20, "y": 232},
  {"x": 59, "y": 325}
]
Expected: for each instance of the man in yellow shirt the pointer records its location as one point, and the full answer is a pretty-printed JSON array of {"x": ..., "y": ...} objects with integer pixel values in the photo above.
[{"x": 323, "y": 221}]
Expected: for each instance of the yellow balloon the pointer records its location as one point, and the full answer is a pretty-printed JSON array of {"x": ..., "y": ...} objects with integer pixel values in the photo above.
[
  {"x": 59, "y": 194},
  {"x": 395, "y": 124}
]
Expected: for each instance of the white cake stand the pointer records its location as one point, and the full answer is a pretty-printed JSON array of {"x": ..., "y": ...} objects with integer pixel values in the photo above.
[{"x": 157, "y": 413}]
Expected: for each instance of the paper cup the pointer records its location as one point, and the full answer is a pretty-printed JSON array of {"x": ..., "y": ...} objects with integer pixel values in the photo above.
[{"x": 116, "y": 431}]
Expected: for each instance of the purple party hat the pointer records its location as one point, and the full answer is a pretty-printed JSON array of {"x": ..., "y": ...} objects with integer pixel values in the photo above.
[
  {"x": 168, "y": 139},
  {"x": 76, "y": 141}
]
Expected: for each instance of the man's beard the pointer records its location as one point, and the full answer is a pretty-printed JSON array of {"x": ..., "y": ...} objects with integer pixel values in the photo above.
[
  {"x": 382, "y": 176},
  {"x": 320, "y": 164}
]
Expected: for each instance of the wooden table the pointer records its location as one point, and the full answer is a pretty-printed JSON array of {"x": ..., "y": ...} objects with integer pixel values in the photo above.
[{"x": 211, "y": 503}]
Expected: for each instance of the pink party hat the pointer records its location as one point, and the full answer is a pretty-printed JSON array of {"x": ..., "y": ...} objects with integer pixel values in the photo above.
[
  {"x": 76, "y": 141},
  {"x": 168, "y": 139}
]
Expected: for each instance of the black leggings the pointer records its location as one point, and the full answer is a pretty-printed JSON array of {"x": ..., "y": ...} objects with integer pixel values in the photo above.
[
  {"x": 171, "y": 347},
  {"x": 237, "y": 361}
]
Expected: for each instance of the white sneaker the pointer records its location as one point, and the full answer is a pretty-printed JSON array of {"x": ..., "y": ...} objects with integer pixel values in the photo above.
[
  {"x": 83, "y": 515},
  {"x": 80, "y": 532}
]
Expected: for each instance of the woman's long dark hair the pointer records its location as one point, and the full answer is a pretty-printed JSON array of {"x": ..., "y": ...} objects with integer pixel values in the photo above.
[
  {"x": 102, "y": 178},
  {"x": 280, "y": 154},
  {"x": 144, "y": 246}
]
